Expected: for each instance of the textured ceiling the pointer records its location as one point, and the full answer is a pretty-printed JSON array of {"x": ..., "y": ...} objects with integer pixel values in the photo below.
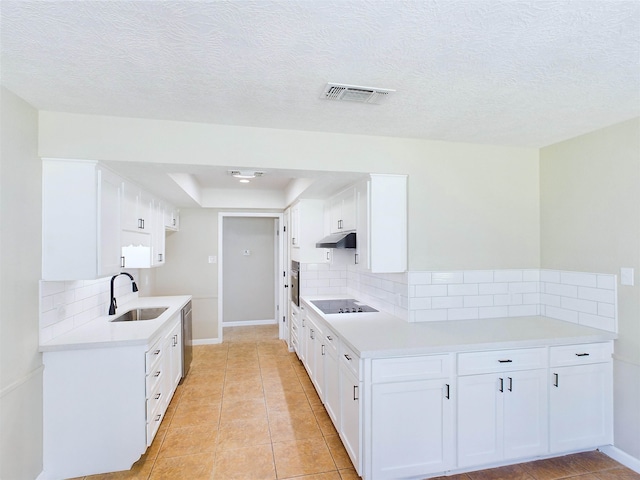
[{"x": 527, "y": 73}]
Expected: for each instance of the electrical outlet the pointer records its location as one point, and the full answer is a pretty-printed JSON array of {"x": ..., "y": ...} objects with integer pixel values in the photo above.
[{"x": 213, "y": 259}]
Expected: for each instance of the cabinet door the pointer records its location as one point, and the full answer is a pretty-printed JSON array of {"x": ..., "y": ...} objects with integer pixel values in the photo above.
[
  {"x": 129, "y": 209},
  {"x": 332, "y": 386},
  {"x": 319, "y": 352},
  {"x": 580, "y": 407},
  {"x": 175, "y": 354},
  {"x": 157, "y": 234},
  {"x": 479, "y": 420},
  {"x": 411, "y": 428},
  {"x": 109, "y": 223},
  {"x": 295, "y": 225},
  {"x": 309, "y": 347},
  {"x": 362, "y": 226},
  {"x": 350, "y": 415},
  {"x": 349, "y": 216},
  {"x": 525, "y": 414}
]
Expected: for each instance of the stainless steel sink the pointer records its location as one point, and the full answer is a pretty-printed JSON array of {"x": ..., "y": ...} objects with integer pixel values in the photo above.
[{"x": 138, "y": 314}]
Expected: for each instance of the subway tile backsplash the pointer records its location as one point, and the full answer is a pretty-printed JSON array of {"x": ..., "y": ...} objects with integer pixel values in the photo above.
[
  {"x": 586, "y": 298},
  {"x": 65, "y": 306}
]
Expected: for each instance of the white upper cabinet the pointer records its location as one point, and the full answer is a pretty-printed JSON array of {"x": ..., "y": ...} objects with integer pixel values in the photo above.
[
  {"x": 342, "y": 211},
  {"x": 381, "y": 245},
  {"x": 137, "y": 208},
  {"x": 307, "y": 228},
  {"x": 171, "y": 217},
  {"x": 80, "y": 220}
]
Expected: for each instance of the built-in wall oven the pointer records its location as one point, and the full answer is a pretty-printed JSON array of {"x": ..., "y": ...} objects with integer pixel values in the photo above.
[{"x": 295, "y": 282}]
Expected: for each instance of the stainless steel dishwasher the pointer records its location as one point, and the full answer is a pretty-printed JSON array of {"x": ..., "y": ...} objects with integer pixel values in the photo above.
[{"x": 187, "y": 340}]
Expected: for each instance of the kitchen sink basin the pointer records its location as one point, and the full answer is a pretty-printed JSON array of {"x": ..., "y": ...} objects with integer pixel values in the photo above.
[{"x": 138, "y": 314}]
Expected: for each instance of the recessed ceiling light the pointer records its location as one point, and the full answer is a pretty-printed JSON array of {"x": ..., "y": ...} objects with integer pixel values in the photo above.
[
  {"x": 244, "y": 180},
  {"x": 245, "y": 173}
]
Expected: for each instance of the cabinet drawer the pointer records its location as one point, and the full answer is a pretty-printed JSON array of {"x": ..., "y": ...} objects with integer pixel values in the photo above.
[
  {"x": 155, "y": 400},
  {"x": 153, "y": 425},
  {"x": 153, "y": 356},
  {"x": 580, "y": 354},
  {"x": 154, "y": 378},
  {"x": 501, "y": 360},
  {"x": 411, "y": 368},
  {"x": 330, "y": 340},
  {"x": 350, "y": 360}
]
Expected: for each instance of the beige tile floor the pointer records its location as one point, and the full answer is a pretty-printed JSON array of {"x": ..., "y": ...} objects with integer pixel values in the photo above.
[{"x": 248, "y": 411}]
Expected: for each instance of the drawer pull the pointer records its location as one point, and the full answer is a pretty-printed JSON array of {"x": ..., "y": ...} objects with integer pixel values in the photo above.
[
  {"x": 347, "y": 357},
  {"x": 157, "y": 352},
  {"x": 505, "y": 361},
  {"x": 322, "y": 349},
  {"x": 158, "y": 417},
  {"x": 582, "y": 354},
  {"x": 157, "y": 374},
  {"x": 330, "y": 338},
  {"x": 158, "y": 395}
]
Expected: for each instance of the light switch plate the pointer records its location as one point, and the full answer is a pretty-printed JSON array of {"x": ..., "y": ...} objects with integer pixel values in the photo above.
[
  {"x": 213, "y": 259},
  {"x": 627, "y": 276},
  {"x": 246, "y": 252}
]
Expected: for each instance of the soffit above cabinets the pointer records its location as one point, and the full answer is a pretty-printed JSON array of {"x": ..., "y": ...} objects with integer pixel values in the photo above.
[
  {"x": 525, "y": 73},
  {"x": 211, "y": 186}
]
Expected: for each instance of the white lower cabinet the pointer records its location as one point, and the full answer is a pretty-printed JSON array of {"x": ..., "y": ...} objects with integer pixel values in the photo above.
[
  {"x": 502, "y": 415},
  {"x": 581, "y": 403},
  {"x": 103, "y": 406},
  {"x": 425, "y": 415},
  {"x": 412, "y": 417},
  {"x": 350, "y": 428},
  {"x": 331, "y": 376}
]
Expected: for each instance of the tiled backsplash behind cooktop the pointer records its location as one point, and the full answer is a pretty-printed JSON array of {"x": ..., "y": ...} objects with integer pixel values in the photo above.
[{"x": 585, "y": 298}]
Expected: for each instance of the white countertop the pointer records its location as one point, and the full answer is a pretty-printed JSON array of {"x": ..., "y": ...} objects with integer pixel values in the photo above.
[
  {"x": 378, "y": 334},
  {"x": 101, "y": 332}
]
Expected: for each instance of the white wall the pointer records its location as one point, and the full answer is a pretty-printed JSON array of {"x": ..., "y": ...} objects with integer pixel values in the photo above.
[
  {"x": 590, "y": 221},
  {"x": 248, "y": 280},
  {"x": 470, "y": 206},
  {"x": 20, "y": 267}
]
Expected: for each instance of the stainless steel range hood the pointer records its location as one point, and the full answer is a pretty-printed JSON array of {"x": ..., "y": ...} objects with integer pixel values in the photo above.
[{"x": 338, "y": 240}]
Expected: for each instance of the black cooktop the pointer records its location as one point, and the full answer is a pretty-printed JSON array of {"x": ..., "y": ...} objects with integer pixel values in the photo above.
[{"x": 348, "y": 305}]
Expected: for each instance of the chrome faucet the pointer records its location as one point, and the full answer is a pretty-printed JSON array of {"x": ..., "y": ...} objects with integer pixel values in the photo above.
[{"x": 114, "y": 305}]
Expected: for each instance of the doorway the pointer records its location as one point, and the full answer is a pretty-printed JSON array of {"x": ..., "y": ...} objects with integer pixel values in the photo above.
[{"x": 250, "y": 280}]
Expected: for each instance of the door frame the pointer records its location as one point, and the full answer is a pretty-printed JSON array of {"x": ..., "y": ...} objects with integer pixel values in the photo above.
[{"x": 280, "y": 304}]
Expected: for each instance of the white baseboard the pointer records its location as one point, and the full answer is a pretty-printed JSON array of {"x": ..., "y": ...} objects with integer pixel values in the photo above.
[
  {"x": 207, "y": 341},
  {"x": 621, "y": 457},
  {"x": 247, "y": 323}
]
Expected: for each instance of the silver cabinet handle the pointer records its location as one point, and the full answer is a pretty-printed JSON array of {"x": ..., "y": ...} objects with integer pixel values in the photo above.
[
  {"x": 555, "y": 381},
  {"x": 158, "y": 417},
  {"x": 157, "y": 374},
  {"x": 330, "y": 338},
  {"x": 322, "y": 349},
  {"x": 501, "y": 385},
  {"x": 355, "y": 392},
  {"x": 158, "y": 395},
  {"x": 505, "y": 361},
  {"x": 347, "y": 357},
  {"x": 582, "y": 354},
  {"x": 510, "y": 384},
  {"x": 157, "y": 352},
  {"x": 448, "y": 391}
]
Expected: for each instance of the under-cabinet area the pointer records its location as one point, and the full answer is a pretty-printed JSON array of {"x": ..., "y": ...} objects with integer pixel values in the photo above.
[
  {"x": 107, "y": 387},
  {"x": 422, "y": 400}
]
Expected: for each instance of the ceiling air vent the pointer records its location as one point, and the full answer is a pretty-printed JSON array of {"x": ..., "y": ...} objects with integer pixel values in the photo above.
[{"x": 354, "y": 93}]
